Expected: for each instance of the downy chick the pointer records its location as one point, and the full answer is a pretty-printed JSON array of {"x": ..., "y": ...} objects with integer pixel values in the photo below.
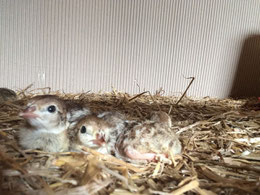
[
  {"x": 150, "y": 140},
  {"x": 91, "y": 131},
  {"x": 103, "y": 129},
  {"x": 46, "y": 124}
]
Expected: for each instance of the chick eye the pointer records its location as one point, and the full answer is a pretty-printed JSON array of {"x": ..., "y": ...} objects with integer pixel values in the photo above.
[
  {"x": 51, "y": 109},
  {"x": 83, "y": 129}
]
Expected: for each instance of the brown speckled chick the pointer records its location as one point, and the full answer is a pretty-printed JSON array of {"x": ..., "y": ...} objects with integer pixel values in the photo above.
[
  {"x": 46, "y": 125},
  {"x": 90, "y": 132},
  {"x": 117, "y": 122},
  {"x": 148, "y": 141},
  {"x": 47, "y": 121},
  {"x": 100, "y": 132}
]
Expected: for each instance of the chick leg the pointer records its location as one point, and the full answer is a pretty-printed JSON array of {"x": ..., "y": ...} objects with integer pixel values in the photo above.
[
  {"x": 136, "y": 155},
  {"x": 162, "y": 158}
]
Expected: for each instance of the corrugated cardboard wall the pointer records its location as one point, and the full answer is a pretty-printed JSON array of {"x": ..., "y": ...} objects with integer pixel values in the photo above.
[{"x": 132, "y": 45}]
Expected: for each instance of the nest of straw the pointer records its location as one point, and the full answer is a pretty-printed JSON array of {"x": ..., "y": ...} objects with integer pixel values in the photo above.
[{"x": 220, "y": 138}]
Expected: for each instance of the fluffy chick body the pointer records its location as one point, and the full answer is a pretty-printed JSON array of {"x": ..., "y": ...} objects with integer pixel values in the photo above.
[
  {"x": 49, "y": 142},
  {"x": 90, "y": 132},
  {"x": 46, "y": 124},
  {"x": 101, "y": 132},
  {"x": 148, "y": 140}
]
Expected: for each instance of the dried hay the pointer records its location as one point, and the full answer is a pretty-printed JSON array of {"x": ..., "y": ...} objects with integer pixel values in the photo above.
[{"x": 221, "y": 142}]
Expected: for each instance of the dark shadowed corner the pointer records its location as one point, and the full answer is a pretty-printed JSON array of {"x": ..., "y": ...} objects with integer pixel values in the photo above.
[{"x": 247, "y": 79}]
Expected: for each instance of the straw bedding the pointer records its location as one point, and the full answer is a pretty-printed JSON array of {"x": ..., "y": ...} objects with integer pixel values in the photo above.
[{"x": 220, "y": 138}]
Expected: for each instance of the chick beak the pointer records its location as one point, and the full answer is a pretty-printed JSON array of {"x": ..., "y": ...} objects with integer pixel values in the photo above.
[
  {"x": 99, "y": 140},
  {"x": 28, "y": 113}
]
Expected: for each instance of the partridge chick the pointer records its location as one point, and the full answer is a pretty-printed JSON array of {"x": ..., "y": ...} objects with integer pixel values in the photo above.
[
  {"x": 90, "y": 133},
  {"x": 46, "y": 124},
  {"x": 147, "y": 141},
  {"x": 101, "y": 131}
]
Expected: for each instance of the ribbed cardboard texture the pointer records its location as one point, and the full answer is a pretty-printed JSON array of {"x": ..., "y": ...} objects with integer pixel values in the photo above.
[{"x": 132, "y": 45}]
